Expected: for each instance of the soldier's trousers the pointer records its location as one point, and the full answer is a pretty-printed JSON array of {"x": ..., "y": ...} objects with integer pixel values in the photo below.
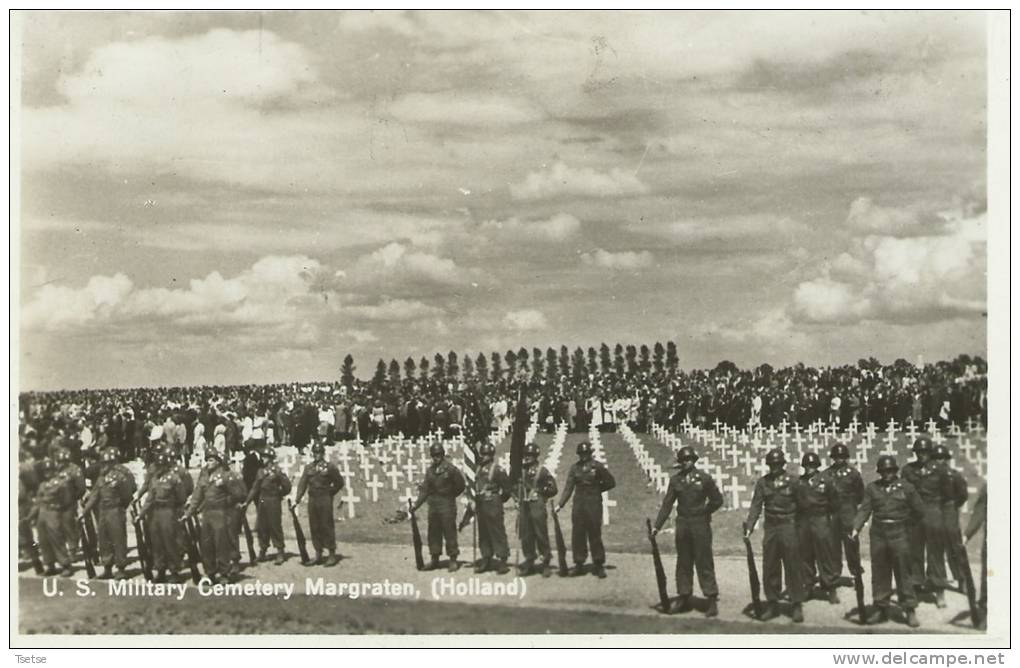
[
  {"x": 928, "y": 550},
  {"x": 164, "y": 541},
  {"x": 843, "y": 524},
  {"x": 953, "y": 541},
  {"x": 70, "y": 530},
  {"x": 817, "y": 549},
  {"x": 694, "y": 550},
  {"x": 535, "y": 531},
  {"x": 234, "y": 519},
  {"x": 491, "y": 529},
  {"x": 25, "y": 537},
  {"x": 781, "y": 552},
  {"x": 891, "y": 555},
  {"x": 217, "y": 543},
  {"x": 52, "y": 539},
  {"x": 320, "y": 522},
  {"x": 586, "y": 517},
  {"x": 112, "y": 535},
  {"x": 443, "y": 526},
  {"x": 269, "y": 522}
]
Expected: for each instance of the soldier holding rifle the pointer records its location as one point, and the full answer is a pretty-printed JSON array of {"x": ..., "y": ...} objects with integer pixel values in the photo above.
[
  {"x": 538, "y": 486},
  {"x": 112, "y": 493}
]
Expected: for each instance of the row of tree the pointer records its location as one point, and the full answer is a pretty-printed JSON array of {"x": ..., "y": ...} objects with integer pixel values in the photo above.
[{"x": 537, "y": 365}]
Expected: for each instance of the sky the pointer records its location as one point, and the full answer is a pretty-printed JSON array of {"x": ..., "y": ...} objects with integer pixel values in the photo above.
[{"x": 218, "y": 198}]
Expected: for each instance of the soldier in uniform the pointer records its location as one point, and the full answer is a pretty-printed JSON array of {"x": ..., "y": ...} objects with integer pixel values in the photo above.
[
  {"x": 53, "y": 499},
  {"x": 817, "y": 501},
  {"x": 492, "y": 490},
  {"x": 112, "y": 493},
  {"x": 776, "y": 493},
  {"x": 76, "y": 482},
  {"x": 928, "y": 536},
  {"x": 849, "y": 492},
  {"x": 322, "y": 481},
  {"x": 951, "y": 510},
  {"x": 895, "y": 505},
  {"x": 978, "y": 520},
  {"x": 270, "y": 486},
  {"x": 591, "y": 478},
  {"x": 696, "y": 497},
  {"x": 537, "y": 485},
  {"x": 442, "y": 485},
  {"x": 217, "y": 495},
  {"x": 165, "y": 495}
]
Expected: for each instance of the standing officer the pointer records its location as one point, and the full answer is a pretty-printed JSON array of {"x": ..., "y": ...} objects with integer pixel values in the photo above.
[
  {"x": 322, "y": 481},
  {"x": 492, "y": 490},
  {"x": 53, "y": 498},
  {"x": 267, "y": 491},
  {"x": 72, "y": 473},
  {"x": 951, "y": 510},
  {"x": 442, "y": 485},
  {"x": 896, "y": 505},
  {"x": 849, "y": 493},
  {"x": 537, "y": 485},
  {"x": 817, "y": 501},
  {"x": 112, "y": 493},
  {"x": 928, "y": 536},
  {"x": 978, "y": 521},
  {"x": 216, "y": 497},
  {"x": 776, "y": 493},
  {"x": 696, "y": 497},
  {"x": 591, "y": 478},
  {"x": 166, "y": 494}
]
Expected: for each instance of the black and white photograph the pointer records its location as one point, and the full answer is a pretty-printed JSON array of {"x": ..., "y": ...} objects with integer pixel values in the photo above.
[{"x": 367, "y": 324}]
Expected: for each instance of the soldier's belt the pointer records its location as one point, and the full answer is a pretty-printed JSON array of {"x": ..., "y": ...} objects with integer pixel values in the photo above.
[
  {"x": 780, "y": 519},
  {"x": 890, "y": 522},
  {"x": 216, "y": 506}
]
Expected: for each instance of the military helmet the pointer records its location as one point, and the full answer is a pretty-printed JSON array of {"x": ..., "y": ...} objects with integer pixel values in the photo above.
[
  {"x": 436, "y": 450},
  {"x": 487, "y": 449},
  {"x": 810, "y": 459},
  {"x": 686, "y": 454},
  {"x": 213, "y": 453},
  {"x": 887, "y": 463},
  {"x": 531, "y": 451},
  {"x": 164, "y": 457},
  {"x": 941, "y": 452},
  {"x": 584, "y": 448},
  {"x": 922, "y": 444},
  {"x": 318, "y": 449},
  {"x": 775, "y": 456},
  {"x": 269, "y": 454},
  {"x": 62, "y": 456},
  {"x": 47, "y": 465},
  {"x": 839, "y": 451},
  {"x": 109, "y": 455}
]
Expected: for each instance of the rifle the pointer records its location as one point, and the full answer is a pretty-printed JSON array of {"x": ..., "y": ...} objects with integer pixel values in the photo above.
[
  {"x": 33, "y": 547},
  {"x": 247, "y": 534},
  {"x": 968, "y": 581},
  {"x": 852, "y": 546},
  {"x": 419, "y": 561},
  {"x": 752, "y": 575},
  {"x": 141, "y": 541},
  {"x": 298, "y": 533},
  {"x": 196, "y": 539},
  {"x": 468, "y": 516},
  {"x": 87, "y": 549},
  {"x": 660, "y": 572},
  {"x": 561, "y": 545}
]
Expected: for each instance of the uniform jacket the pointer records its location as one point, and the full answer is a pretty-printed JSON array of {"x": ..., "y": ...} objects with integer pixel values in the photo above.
[
  {"x": 114, "y": 488},
  {"x": 777, "y": 495},
  {"x": 218, "y": 489},
  {"x": 492, "y": 482},
  {"x": 538, "y": 483},
  {"x": 320, "y": 478},
  {"x": 896, "y": 501},
  {"x": 270, "y": 483},
  {"x": 816, "y": 495},
  {"x": 848, "y": 483},
  {"x": 930, "y": 480},
  {"x": 590, "y": 477},
  {"x": 442, "y": 481},
  {"x": 694, "y": 493}
]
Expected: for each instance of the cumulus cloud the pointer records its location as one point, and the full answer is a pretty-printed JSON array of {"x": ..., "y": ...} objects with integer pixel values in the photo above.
[
  {"x": 525, "y": 320},
  {"x": 561, "y": 180},
  {"x": 699, "y": 229},
  {"x": 560, "y": 227},
  {"x": 396, "y": 264},
  {"x": 393, "y": 310},
  {"x": 773, "y": 328},
  {"x": 464, "y": 109},
  {"x": 359, "y": 335},
  {"x": 869, "y": 218},
  {"x": 621, "y": 260}
]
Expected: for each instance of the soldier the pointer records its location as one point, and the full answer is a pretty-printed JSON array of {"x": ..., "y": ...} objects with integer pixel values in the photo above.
[
  {"x": 442, "y": 485},
  {"x": 776, "y": 493},
  {"x": 492, "y": 490},
  {"x": 322, "y": 481},
  {"x": 270, "y": 486},
  {"x": 217, "y": 495},
  {"x": 951, "y": 510},
  {"x": 165, "y": 495},
  {"x": 52, "y": 500},
  {"x": 977, "y": 522},
  {"x": 849, "y": 492},
  {"x": 112, "y": 493},
  {"x": 928, "y": 536},
  {"x": 696, "y": 497},
  {"x": 817, "y": 501},
  {"x": 76, "y": 482},
  {"x": 28, "y": 483},
  {"x": 537, "y": 485},
  {"x": 591, "y": 478},
  {"x": 895, "y": 505}
]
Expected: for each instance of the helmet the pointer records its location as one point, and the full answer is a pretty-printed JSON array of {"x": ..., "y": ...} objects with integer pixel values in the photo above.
[
  {"x": 531, "y": 451},
  {"x": 941, "y": 452},
  {"x": 584, "y": 448},
  {"x": 487, "y": 450},
  {"x": 922, "y": 444},
  {"x": 210, "y": 453},
  {"x": 686, "y": 454},
  {"x": 839, "y": 451},
  {"x": 163, "y": 457},
  {"x": 887, "y": 463},
  {"x": 318, "y": 449},
  {"x": 47, "y": 465},
  {"x": 62, "y": 456},
  {"x": 109, "y": 455},
  {"x": 436, "y": 450},
  {"x": 810, "y": 459},
  {"x": 269, "y": 454},
  {"x": 775, "y": 456}
]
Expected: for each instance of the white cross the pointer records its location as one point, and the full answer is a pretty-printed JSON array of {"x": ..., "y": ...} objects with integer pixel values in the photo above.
[
  {"x": 344, "y": 457},
  {"x": 889, "y": 449},
  {"x": 394, "y": 475},
  {"x": 716, "y": 424},
  {"x": 408, "y": 495},
  {"x": 384, "y": 457},
  {"x": 748, "y": 462},
  {"x": 891, "y": 427},
  {"x": 374, "y": 485},
  {"x": 981, "y": 463},
  {"x": 796, "y": 428},
  {"x": 852, "y": 427},
  {"x": 938, "y": 438},
  {"x": 930, "y": 426},
  {"x": 954, "y": 429},
  {"x": 349, "y": 498},
  {"x": 346, "y": 472},
  {"x": 735, "y": 488},
  {"x": 607, "y": 503},
  {"x": 890, "y": 441},
  {"x": 762, "y": 468},
  {"x": 911, "y": 431},
  {"x": 798, "y": 440},
  {"x": 834, "y": 429},
  {"x": 366, "y": 467},
  {"x": 967, "y": 448}
]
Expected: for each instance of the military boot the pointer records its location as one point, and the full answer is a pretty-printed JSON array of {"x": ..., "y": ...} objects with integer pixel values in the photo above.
[
  {"x": 333, "y": 560},
  {"x": 879, "y": 616},
  {"x": 798, "y": 613},
  {"x": 107, "y": 573},
  {"x": 499, "y": 565},
  {"x": 713, "y": 607},
  {"x": 318, "y": 559},
  {"x": 680, "y": 605},
  {"x": 833, "y": 596},
  {"x": 51, "y": 570},
  {"x": 577, "y": 570},
  {"x": 600, "y": 571},
  {"x": 433, "y": 564},
  {"x": 454, "y": 565},
  {"x": 526, "y": 568},
  {"x": 483, "y": 565},
  {"x": 771, "y": 612},
  {"x": 280, "y": 558},
  {"x": 262, "y": 554},
  {"x": 547, "y": 569},
  {"x": 67, "y": 572},
  {"x": 121, "y": 574},
  {"x": 940, "y": 599},
  {"x": 160, "y": 576},
  {"x": 912, "y": 619}
]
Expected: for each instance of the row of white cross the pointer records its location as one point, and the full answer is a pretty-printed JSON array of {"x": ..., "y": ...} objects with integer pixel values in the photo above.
[
  {"x": 599, "y": 454},
  {"x": 552, "y": 458}
]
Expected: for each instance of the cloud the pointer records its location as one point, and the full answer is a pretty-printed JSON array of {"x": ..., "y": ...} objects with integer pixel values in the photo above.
[
  {"x": 621, "y": 260},
  {"x": 359, "y": 335},
  {"x": 560, "y": 227},
  {"x": 866, "y": 217},
  {"x": 560, "y": 180},
  {"x": 392, "y": 310},
  {"x": 767, "y": 229},
  {"x": 525, "y": 320},
  {"x": 56, "y": 306},
  {"x": 773, "y": 328},
  {"x": 462, "y": 108},
  {"x": 395, "y": 264}
]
